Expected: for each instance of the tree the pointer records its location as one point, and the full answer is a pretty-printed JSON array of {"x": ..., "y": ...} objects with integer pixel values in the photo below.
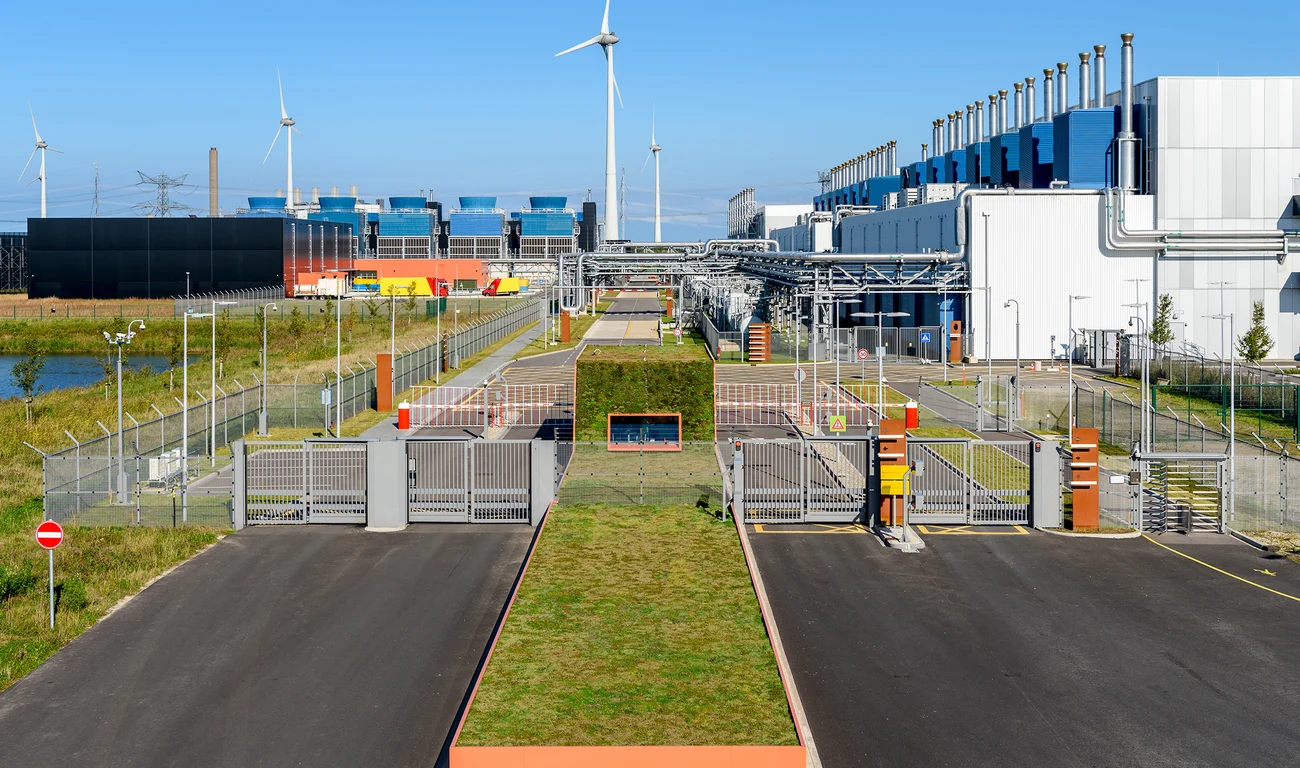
[
  {"x": 225, "y": 338},
  {"x": 1255, "y": 344},
  {"x": 372, "y": 310},
  {"x": 328, "y": 312},
  {"x": 1162, "y": 327},
  {"x": 26, "y": 373},
  {"x": 297, "y": 326}
]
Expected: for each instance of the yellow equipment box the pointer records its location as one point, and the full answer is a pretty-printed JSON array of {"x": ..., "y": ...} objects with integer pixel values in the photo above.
[{"x": 893, "y": 479}]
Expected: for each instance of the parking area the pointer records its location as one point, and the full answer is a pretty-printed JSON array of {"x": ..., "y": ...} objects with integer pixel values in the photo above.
[
  {"x": 995, "y": 647},
  {"x": 319, "y": 645}
]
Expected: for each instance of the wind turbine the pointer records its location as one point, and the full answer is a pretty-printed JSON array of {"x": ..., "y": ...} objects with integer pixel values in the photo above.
[
  {"x": 41, "y": 146},
  {"x": 285, "y": 122},
  {"x": 654, "y": 150},
  {"x": 606, "y": 41}
]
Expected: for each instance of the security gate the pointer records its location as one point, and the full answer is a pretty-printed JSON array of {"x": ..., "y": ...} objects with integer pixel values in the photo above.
[
  {"x": 1182, "y": 492},
  {"x": 447, "y": 407},
  {"x": 469, "y": 481},
  {"x": 814, "y": 480},
  {"x": 305, "y": 482},
  {"x": 969, "y": 482}
]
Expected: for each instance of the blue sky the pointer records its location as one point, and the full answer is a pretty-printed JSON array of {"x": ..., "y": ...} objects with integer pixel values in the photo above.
[{"x": 466, "y": 98}]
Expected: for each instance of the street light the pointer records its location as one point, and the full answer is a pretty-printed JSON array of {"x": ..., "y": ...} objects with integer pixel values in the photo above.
[
  {"x": 880, "y": 358},
  {"x": 1015, "y": 380},
  {"x": 338, "y": 362},
  {"x": 1144, "y": 437},
  {"x": 185, "y": 409},
  {"x": 1069, "y": 391},
  {"x": 212, "y": 404},
  {"x": 262, "y": 418},
  {"x": 120, "y": 340},
  {"x": 1232, "y": 421}
]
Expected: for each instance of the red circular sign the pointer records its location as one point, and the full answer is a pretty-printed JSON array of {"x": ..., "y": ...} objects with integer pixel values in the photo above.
[
  {"x": 863, "y": 354},
  {"x": 49, "y": 534}
]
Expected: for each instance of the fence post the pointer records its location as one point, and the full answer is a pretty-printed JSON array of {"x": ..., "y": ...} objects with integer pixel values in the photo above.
[
  {"x": 543, "y": 476},
  {"x": 239, "y": 509},
  {"x": 738, "y": 485},
  {"x": 1045, "y": 484}
]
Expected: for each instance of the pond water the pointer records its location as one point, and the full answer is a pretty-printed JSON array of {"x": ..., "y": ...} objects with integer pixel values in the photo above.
[{"x": 64, "y": 371}]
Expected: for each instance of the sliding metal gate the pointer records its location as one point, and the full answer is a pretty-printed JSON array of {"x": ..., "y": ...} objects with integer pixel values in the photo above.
[
  {"x": 305, "y": 482},
  {"x": 815, "y": 480},
  {"x": 469, "y": 481},
  {"x": 970, "y": 482}
]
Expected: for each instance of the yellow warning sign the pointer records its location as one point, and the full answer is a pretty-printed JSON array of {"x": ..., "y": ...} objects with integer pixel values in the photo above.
[{"x": 838, "y": 423}]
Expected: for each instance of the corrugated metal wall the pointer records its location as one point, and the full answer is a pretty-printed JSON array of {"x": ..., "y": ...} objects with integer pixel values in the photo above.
[
  {"x": 1004, "y": 160},
  {"x": 880, "y": 186},
  {"x": 977, "y": 163},
  {"x": 1036, "y": 156},
  {"x": 477, "y": 224},
  {"x": 1083, "y": 147},
  {"x": 550, "y": 224},
  {"x": 406, "y": 224}
]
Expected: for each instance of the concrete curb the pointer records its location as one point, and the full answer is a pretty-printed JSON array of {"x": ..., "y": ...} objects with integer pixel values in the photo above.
[
  {"x": 1256, "y": 543},
  {"x": 1072, "y": 535},
  {"x": 889, "y": 536}
]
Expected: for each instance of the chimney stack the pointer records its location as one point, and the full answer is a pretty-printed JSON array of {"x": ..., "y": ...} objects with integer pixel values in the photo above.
[
  {"x": 212, "y": 183},
  {"x": 970, "y": 124},
  {"x": 1062, "y": 88},
  {"x": 893, "y": 158},
  {"x": 315, "y": 195},
  {"x": 1018, "y": 114},
  {"x": 1031, "y": 109},
  {"x": 1049, "y": 95},
  {"x": 924, "y": 152},
  {"x": 979, "y": 120},
  {"x": 1085, "y": 91},
  {"x": 1099, "y": 75},
  {"x": 1127, "y": 160},
  {"x": 1002, "y": 111},
  {"x": 352, "y": 191}
]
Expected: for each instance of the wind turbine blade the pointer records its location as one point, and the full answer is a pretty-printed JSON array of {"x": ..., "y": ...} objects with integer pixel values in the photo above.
[
  {"x": 52, "y": 149},
  {"x": 647, "y": 160},
  {"x": 604, "y": 23},
  {"x": 652, "y": 123},
  {"x": 283, "y": 113},
  {"x": 580, "y": 46},
  {"x": 29, "y": 164},
  {"x": 295, "y": 130},
  {"x": 277, "y": 138},
  {"x": 609, "y": 55},
  {"x": 34, "y": 128}
]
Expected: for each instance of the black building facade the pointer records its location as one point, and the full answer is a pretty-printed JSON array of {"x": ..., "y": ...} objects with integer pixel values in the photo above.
[{"x": 117, "y": 258}]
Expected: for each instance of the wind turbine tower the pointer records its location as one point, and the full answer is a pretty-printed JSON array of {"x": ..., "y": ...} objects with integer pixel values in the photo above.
[
  {"x": 285, "y": 122},
  {"x": 606, "y": 41},
  {"x": 41, "y": 147},
  {"x": 654, "y": 151}
]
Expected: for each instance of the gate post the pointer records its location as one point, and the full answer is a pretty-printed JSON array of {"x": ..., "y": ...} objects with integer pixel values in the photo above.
[
  {"x": 239, "y": 467},
  {"x": 387, "y": 486},
  {"x": 891, "y": 455},
  {"x": 542, "y": 476},
  {"x": 1044, "y": 484},
  {"x": 738, "y": 484}
]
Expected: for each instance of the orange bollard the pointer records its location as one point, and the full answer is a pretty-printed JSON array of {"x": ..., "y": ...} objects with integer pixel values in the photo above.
[{"x": 404, "y": 416}]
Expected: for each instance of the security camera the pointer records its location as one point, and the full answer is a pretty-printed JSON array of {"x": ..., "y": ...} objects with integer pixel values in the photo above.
[
  {"x": 108, "y": 338},
  {"x": 142, "y": 326}
]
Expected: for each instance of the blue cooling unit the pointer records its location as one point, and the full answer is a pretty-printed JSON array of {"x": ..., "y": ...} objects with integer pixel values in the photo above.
[
  {"x": 1036, "y": 156},
  {"x": 1083, "y": 147},
  {"x": 1004, "y": 160},
  {"x": 977, "y": 163}
]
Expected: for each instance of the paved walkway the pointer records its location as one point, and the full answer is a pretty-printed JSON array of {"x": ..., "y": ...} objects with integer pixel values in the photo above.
[
  {"x": 632, "y": 319},
  {"x": 474, "y": 376}
]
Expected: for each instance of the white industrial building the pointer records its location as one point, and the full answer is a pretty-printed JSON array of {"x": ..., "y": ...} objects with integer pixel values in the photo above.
[{"x": 1210, "y": 216}]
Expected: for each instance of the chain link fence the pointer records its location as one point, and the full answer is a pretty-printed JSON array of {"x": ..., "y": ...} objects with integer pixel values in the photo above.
[{"x": 81, "y": 483}]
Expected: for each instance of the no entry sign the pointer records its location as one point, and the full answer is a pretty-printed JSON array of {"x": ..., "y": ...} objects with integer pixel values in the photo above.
[{"x": 49, "y": 534}]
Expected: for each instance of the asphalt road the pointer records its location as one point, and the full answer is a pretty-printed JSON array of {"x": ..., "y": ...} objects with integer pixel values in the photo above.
[
  {"x": 320, "y": 646},
  {"x": 626, "y": 321},
  {"x": 1036, "y": 650}
]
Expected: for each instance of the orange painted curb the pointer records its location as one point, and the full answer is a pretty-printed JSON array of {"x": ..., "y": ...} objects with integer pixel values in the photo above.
[{"x": 628, "y": 757}]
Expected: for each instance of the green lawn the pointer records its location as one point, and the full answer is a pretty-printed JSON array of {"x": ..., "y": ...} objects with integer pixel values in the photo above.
[
  {"x": 633, "y": 626},
  {"x": 597, "y": 475},
  {"x": 578, "y": 327}
]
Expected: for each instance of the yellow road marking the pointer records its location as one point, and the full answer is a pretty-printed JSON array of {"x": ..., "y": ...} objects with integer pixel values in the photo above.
[
  {"x": 963, "y": 530},
  {"x": 827, "y": 528},
  {"x": 1265, "y": 571},
  {"x": 1220, "y": 570}
]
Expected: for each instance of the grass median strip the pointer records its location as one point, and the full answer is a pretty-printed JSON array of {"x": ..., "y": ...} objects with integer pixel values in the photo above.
[{"x": 635, "y": 625}]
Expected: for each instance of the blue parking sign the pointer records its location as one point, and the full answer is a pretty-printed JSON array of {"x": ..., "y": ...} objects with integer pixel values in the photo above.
[{"x": 925, "y": 338}]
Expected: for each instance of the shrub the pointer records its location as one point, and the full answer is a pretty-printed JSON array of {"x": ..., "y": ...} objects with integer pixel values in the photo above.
[
  {"x": 72, "y": 594},
  {"x": 15, "y": 582}
]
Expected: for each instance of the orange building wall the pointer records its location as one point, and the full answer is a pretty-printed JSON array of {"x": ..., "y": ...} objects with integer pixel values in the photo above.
[{"x": 450, "y": 270}]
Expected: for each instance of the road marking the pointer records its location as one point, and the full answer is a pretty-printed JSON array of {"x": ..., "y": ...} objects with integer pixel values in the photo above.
[
  {"x": 1220, "y": 570},
  {"x": 964, "y": 530},
  {"x": 1265, "y": 571},
  {"x": 826, "y": 529}
]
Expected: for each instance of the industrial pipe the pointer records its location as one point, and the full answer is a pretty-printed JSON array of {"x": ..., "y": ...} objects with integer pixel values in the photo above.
[
  {"x": 1127, "y": 140},
  {"x": 1084, "y": 90},
  {"x": 1002, "y": 111},
  {"x": 993, "y": 116},
  {"x": 1031, "y": 109},
  {"x": 893, "y": 157},
  {"x": 979, "y": 120},
  {"x": 962, "y": 139},
  {"x": 1099, "y": 76},
  {"x": 970, "y": 124},
  {"x": 1049, "y": 95},
  {"x": 1018, "y": 114},
  {"x": 924, "y": 148},
  {"x": 1062, "y": 88}
]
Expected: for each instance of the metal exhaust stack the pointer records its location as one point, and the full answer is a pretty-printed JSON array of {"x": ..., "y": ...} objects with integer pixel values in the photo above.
[
  {"x": 893, "y": 158},
  {"x": 1031, "y": 109},
  {"x": 934, "y": 138},
  {"x": 1002, "y": 111},
  {"x": 958, "y": 129},
  {"x": 979, "y": 120},
  {"x": 1018, "y": 113},
  {"x": 1127, "y": 171},
  {"x": 925, "y": 152},
  {"x": 1099, "y": 76},
  {"x": 1062, "y": 88},
  {"x": 1085, "y": 92},
  {"x": 970, "y": 123},
  {"x": 993, "y": 116},
  {"x": 212, "y": 182},
  {"x": 1049, "y": 95}
]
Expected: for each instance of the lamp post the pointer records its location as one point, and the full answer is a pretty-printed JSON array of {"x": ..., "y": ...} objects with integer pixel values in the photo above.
[
  {"x": 1231, "y": 512},
  {"x": 262, "y": 418},
  {"x": 1015, "y": 380},
  {"x": 120, "y": 340},
  {"x": 185, "y": 409},
  {"x": 392, "y": 337},
  {"x": 1144, "y": 401},
  {"x": 1069, "y": 391},
  {"x": 212, "y": 404},
  {"x": 338, "y": 360}
]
